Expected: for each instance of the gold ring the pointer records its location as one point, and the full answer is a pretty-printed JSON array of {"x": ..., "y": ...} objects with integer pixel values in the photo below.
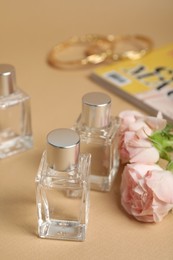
[
  {"x": 120, "y": 47},
  {"x": 88, "y": 59},
  {"x": 139, "y": 45}
]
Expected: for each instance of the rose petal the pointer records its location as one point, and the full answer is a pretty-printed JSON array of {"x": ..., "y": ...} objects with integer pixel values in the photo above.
[
  {"x": 129, "y": 114},
  {"x": 127, "y": 118},
  {"x": 144, "y": 132},
  {"x": 140, "y": 169},
  {"x": 139, "y": 124},
  {"x": 161, "y": 182},
  {"x": 160, "y": 209},
  {"x": 156, "y": 123},
  {"x": 147, "y": 192},
  {"x": 140, "y": 143},
  {"x": 147, "y": 155}
]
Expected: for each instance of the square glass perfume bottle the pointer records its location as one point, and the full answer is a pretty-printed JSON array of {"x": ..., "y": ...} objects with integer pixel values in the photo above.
[
  {"x": 98, "y": 135},
  {"x": 62, "y": 188},
  {"x": 15, "y": 121}
]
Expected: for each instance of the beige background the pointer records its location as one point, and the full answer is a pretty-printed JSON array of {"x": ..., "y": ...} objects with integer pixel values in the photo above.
[{"x": 28, "y": 30}]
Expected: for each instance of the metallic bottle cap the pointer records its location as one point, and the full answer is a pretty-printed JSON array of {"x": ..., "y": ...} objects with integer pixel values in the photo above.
[
  {"x": 62, "y": 149},
  {"x": 96, "y": 108},
  {"x": 7, "y": 79}
]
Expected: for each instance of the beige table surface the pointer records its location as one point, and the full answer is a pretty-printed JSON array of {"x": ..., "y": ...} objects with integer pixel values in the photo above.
[{"x": 28, "y": 29}]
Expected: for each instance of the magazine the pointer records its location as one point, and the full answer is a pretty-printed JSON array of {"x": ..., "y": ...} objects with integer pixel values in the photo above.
[{"x": 147, "y": 83}]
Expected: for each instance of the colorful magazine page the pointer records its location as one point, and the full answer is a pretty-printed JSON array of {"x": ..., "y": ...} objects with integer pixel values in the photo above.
[{"x": 147, "y": 83}]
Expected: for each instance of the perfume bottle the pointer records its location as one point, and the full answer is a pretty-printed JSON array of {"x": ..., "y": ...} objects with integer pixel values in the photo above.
[
  {"x": 62, "y": 183},
  {"x": 15, "y": 122},
  {"x": 98, "y": 135}
]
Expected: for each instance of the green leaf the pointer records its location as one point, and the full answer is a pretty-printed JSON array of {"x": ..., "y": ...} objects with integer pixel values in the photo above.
[
  {"x": 163, "y": 141},
  {"x": 165, "y": 155},
  {"x": 169, "y": 149},
  {"x": 168, "y": 127}
]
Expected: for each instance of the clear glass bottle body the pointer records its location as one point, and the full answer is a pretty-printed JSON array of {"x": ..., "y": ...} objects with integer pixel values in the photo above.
[
  {"x": 15, "y": 124},
  {"x": 102, "y": 145},
  {"x": 63, "y": 200}
]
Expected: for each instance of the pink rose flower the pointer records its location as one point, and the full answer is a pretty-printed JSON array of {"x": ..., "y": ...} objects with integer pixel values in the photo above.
[
  {"x": 128, "y": 117},
  {"x": 133, "y": 120},
  {"x": 134, "y": 144},
  {"x": 134, "y": 149},
  {"x": 147, "y": 192}
]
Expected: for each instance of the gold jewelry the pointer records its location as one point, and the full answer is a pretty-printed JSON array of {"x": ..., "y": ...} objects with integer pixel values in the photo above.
[
  {"x": 135, "y": 46},
  {"x": 100, "y": 49},
  {"x": 89, "y": 59},
  {"x": 127, "y": 46}
]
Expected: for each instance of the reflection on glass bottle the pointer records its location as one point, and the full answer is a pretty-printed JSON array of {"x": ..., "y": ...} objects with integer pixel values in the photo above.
[
  {"x": 15, "y": 121},
  {"x": 98, "y": 135},
  {"x": 63, "y": 188}
]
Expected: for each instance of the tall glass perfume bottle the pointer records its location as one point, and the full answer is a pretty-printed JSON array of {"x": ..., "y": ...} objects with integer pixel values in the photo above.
[
  {"x": 63, "y": 188},
  {"x": 15, "y": 121},
  {"x": 98, "y": 135}
]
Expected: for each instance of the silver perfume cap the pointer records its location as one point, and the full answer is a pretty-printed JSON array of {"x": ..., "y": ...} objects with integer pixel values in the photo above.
[
  {"x": 62, "y": 149},
  {"x": 96, "y": 110},
  {"x": 7, "y": 79}
]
